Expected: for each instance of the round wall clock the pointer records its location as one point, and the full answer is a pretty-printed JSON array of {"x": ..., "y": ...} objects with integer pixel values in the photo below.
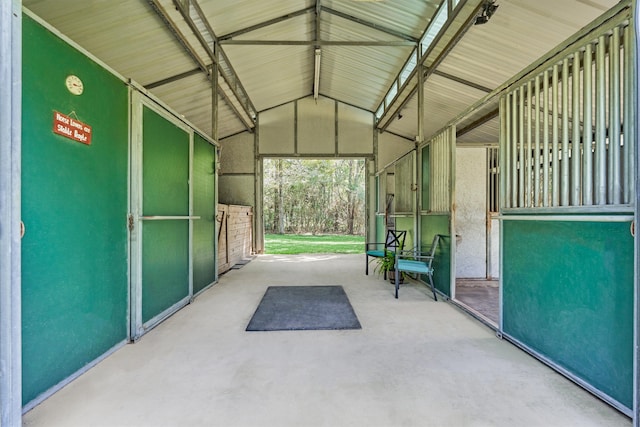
[{"x": 74, "y": 85}]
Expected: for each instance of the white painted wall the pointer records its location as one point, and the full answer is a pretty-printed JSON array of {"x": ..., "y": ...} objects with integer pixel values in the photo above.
[{"x": 471, "y": 196}]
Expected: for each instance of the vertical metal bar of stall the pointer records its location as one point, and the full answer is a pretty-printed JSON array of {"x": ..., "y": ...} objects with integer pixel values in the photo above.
[
  {"x": 505, "y": 189},
  {"x": 514, "y": 149},
  {"x": 576, "y": 146},
  {"x": 536, "y": 156},
  {"x": 504, "y": 140},
  {"x": 521, "y": 159},
  {"x": 527, "y": 157},
  {"x": 555, "y": 169},
  {"x": 587, "y": 123},
  {"x": 545, "y": 141},
  {"x": 601, "y": 125},
  {"x": 564, "y": 163},
  {"x": 614, "y": 178},
  {"x": 628, "y": 122}
]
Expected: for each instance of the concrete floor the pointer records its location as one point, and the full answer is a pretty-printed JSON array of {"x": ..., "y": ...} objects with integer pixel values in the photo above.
[{"x": 415, "y": 362}]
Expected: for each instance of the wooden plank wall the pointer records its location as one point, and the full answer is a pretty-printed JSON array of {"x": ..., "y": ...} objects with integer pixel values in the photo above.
[{"x": 235, "y": 239}]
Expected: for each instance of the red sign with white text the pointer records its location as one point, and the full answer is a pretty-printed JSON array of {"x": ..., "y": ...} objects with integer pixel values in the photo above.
[{"x": 71, "y": 128}]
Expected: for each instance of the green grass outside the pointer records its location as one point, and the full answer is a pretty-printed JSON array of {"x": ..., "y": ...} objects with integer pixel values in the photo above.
[{"x": 306, "y": 244}]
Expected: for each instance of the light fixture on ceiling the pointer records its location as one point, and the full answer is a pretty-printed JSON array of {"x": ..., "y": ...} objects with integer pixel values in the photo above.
[
  {"x": 316, "y": 75},
  {"x": 488, "y": 9}
]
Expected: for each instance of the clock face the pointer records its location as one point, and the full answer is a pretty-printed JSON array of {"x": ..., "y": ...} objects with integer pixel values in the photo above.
[{"x": 74, "y": 85}]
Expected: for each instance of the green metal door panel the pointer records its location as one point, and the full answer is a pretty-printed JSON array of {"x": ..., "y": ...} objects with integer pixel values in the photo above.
[
  {"x": 204, "y": 229},
  {"x": 568, "y": 294},
  {"x": 74, "y": 206},
  {"x": 165, "y": 265},
  {"x": 432, "y": 225},
  {"x": 165, "y": 166}
]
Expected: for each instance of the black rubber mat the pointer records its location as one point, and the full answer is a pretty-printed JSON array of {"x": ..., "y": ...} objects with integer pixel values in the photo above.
[{"x": 288, "y": 308}]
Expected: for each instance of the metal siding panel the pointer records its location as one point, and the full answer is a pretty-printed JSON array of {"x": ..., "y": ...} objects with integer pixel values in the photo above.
[
  {"x": 277, "y": 133},
  {"x": 316, "y": 126},
  {"x": 355, "y": 130}
]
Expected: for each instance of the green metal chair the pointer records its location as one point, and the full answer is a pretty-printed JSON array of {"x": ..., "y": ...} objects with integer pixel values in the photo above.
[
  {"x": 418, "y": 263},
  {"x": 393, "y": 242}
]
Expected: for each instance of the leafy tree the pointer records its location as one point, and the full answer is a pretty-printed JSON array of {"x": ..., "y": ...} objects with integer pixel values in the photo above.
[{"x": 314, "y": 196}]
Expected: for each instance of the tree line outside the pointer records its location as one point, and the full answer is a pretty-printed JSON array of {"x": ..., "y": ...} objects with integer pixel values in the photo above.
[{"x": 303, "y": 196}]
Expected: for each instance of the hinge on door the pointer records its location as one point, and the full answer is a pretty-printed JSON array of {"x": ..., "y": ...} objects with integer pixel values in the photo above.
[{"x": 130, "y": 223}]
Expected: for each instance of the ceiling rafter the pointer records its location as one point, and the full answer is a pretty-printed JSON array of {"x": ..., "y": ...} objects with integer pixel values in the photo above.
[
  {"x": 173, "y": 78},
  {"x": 209, "y": 41},
  {"x": 318, "y": 8},
  {"x": 461, "y": 81},
  {"x": 268, "y": 23},
  {"x": 390, "y": 113},
  {"x": 381, "y": 43},
  {"x": 369, "y": 24},
  {"x": 189, "y": 49}
]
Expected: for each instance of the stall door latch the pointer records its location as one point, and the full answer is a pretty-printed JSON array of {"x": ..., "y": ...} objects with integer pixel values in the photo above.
[{"x": 130, "y": 223}]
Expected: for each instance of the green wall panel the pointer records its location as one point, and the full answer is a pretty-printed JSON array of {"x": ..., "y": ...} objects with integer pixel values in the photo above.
[
  {"x": 74, "y": 206},
  {"x": 165, "y": 265},
  {"x": 204, "y": 229},
  {"x": 165, "y": 166},
  {"x": 432, "y": 225},
  {"x": 568, "y": 294}
]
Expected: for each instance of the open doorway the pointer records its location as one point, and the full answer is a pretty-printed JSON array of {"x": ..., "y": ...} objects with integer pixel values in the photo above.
[
  {"x": 313, "y": 205},
  {"x": 477, "y": 232}
]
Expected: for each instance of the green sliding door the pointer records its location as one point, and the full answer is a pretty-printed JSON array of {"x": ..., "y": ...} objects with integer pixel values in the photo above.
[
  {"x": 165, "y": 214},
  {"x": 173, "y": 199},
  {"x": 204, "y": 208}
]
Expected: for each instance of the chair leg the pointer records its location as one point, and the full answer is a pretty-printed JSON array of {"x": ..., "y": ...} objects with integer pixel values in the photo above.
[
  {"x": 433, "y": 289},
  {"x": 366, "y": 265},
  {"x": 397, "y": 282}
]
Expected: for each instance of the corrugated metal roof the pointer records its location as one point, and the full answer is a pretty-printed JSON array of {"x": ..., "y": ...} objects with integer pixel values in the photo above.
[
  {"x": 444, "y": 99},
  {"x": 520, "y": 32},
  {"x": 124, "y": 34},
  {"x": 488, "y": 55},
  {"x": 141, "y": 40}
]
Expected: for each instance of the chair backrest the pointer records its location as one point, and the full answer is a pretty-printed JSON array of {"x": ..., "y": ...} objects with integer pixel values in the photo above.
[
  {"x": 395, "y": 240},
  {"x": 434, "y": 246}
]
